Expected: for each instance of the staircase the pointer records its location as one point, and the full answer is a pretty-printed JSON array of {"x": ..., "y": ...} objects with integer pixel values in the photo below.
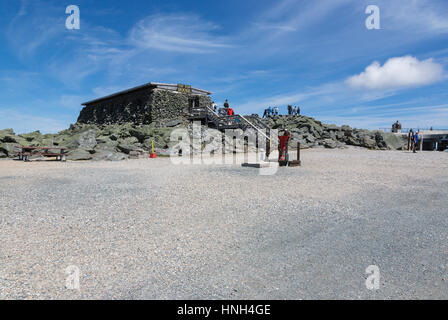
[{"x": 223, "y": 122}]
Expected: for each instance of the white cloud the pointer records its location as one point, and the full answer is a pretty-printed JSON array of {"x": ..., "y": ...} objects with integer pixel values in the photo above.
[
  {"x": 180, "y": 33},
  {"x": 397, "y": 73}
]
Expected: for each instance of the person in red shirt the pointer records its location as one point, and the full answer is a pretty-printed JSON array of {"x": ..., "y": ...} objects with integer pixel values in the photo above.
[{"x": 230, "y": 112}]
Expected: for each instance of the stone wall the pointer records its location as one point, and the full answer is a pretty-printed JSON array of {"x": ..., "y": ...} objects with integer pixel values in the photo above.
[
  {"x": 168, "y": 106},
  {"x": 141, "y": 107},
  {"x": 132, "y": 107}
]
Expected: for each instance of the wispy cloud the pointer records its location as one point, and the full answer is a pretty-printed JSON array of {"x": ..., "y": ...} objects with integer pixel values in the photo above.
[
  {"x": 184, "y": 33},
  {"x": 416, "y": 16}
]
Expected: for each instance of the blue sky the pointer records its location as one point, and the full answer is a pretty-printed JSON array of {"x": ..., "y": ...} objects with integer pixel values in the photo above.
[{"x": 316, "y": 54}]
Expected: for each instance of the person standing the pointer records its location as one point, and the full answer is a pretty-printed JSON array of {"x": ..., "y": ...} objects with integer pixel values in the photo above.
[
  {"x": 214, "y": 106},
  {"x": 298, "y": 110},
  {"x": 276, "y": 111},
  {"x": 265, "y": 114},
  {"x": 411, "y": 140},
  {"x": 289, "y": 109},
  {"x": 416, "y": 141},
  {"x": 226, "y": 104},
  {"x": 294, "y": 111}
]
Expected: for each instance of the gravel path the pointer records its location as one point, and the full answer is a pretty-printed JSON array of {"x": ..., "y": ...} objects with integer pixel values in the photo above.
[{"x": 147, "y": 229}]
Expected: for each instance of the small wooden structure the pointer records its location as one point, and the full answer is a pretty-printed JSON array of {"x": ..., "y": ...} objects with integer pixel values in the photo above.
[{"x": 26, "y": 152}]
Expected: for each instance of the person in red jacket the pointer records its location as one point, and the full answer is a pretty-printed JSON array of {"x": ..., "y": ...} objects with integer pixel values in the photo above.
[{"x": 230, "y": 112}]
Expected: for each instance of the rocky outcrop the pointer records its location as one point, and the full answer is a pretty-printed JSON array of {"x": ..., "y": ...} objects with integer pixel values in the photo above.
[
  {"x": 312, "y": 133},
  {"x": 117, "y": 142}
]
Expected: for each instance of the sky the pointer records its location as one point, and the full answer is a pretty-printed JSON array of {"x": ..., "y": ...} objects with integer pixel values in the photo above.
[{"x": 317, "y": 54}]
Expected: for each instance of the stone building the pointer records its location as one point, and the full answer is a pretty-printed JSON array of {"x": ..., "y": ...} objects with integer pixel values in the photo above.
[{"x": 152, "y": 102}]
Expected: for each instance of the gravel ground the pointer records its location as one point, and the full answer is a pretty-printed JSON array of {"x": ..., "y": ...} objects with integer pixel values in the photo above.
[{"x": 148, "y": 229}]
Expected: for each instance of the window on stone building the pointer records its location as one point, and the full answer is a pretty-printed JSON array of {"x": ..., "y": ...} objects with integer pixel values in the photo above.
[{"x": 193, "y": 103}]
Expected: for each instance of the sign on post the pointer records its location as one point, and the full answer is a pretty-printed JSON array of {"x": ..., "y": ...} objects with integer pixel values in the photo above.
[{"x": 183, "y": 88}]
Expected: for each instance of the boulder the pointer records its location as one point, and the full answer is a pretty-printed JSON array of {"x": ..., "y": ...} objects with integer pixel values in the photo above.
[
  {"x": 329, "y": 143},
  {"x": 310, "y": 139},
  {"x": 391, "y": 140},
  {"x": 331, "y": 127},
  {"x": 87, "y": 140},
  {"x": 10, "y": 149},
  {"x": 141, "y": 133},
  {"x": 128, "y": 141},
  {"x": 106, "y": 142},
  {"x": 8, "y": 139},
  {"x": 7, "y": 136},
  {"x": 79, "y": 154},
  {"x": 3, "y": 155},
  {"x": 174, "y": 123},
  {"x": 353, "y": 141},
  {"x": 367, "y": 142},
  {"x": 127, "y": 148},
  {"x": 31, "y": 137},
  {"x": 109, "y": 155}
]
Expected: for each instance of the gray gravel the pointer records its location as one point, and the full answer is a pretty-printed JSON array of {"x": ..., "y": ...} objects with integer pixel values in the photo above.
[{"x": 147, "y": 229}]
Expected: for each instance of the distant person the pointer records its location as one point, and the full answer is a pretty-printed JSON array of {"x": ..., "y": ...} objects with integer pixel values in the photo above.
[
  {"x": 269, "y": 111},
  {"x": 294, "y": 110},
  {"x": 276, "y": 111},
  {"x": 230, "y": 111},
  {"x": 410, "y": 140},
  {"x": 416, "y": 141},
  {"x": 214, "y": 106},
  {"x": 298, "y": 110},
  {"x": 226, "y": 104},
  {"x": 265, "y": 114},
  {"x": 289, "y": 109}
]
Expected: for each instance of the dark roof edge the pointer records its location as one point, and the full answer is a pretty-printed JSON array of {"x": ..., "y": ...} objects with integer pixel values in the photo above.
[{"x": 166, "y": 86}]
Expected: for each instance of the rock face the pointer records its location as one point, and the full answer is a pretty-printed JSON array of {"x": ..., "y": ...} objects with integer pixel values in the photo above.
[{"x": 313, "y": 133}]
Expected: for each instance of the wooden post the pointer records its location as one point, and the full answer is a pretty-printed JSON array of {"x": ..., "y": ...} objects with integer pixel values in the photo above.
[{"x": 296, "y": 163}]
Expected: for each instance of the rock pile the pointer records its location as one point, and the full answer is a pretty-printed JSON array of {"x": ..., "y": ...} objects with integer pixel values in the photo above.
[
  {"x": 123, "y": 141},
  {"x": 312, "y": 133},
  {"x": 91, "y": 142}
]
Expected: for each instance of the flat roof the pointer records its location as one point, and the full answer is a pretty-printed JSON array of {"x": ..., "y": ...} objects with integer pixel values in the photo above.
[{"x": 166, "y": 86}]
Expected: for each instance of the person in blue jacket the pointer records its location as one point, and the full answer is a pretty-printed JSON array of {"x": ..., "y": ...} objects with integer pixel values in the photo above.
[{"x": 416, "y": 140}]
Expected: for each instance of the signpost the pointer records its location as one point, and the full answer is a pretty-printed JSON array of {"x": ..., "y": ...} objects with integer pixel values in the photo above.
[{"x": 184, "y": 88}]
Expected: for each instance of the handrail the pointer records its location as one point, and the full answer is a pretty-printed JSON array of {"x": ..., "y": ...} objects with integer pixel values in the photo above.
[
  {"x": 212, "y": 110},
  {"x": 252, "y": 125},
  {"x": 256, "y": 128}
]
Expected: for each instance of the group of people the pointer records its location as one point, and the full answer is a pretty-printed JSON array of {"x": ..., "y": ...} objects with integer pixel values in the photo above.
[
  {"x": 293, "y": 110},
  {"x": 227, "y": 109},
  {"x": 270, "y": 111},
  {"x": 274, "y": 111}
]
